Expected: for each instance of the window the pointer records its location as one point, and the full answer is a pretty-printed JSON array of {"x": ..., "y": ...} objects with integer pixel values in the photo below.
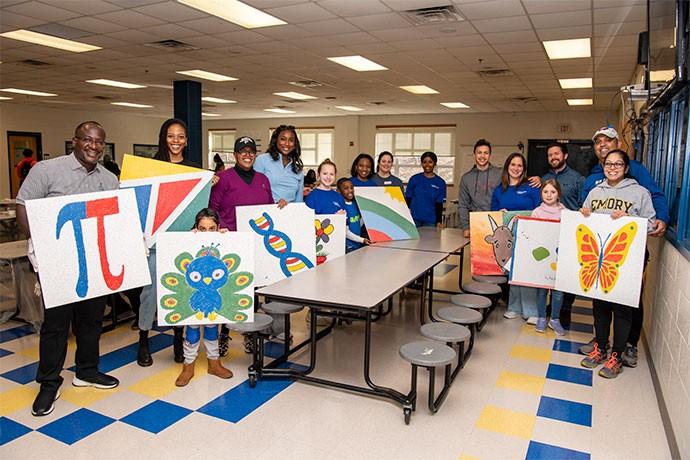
[
  {"x": 408, "y": 143},
  {"x": 222, "y": 142},
  {"x": 316, "y": 145}
]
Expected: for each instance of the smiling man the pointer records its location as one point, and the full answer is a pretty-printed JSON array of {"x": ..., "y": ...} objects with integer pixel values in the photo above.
[
  {"x": 71, "y": 174},
  {"x": 570, "y": 180},
  {"x": 477, "y": 185}
]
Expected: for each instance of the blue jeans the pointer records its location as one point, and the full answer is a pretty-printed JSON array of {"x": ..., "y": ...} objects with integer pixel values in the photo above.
[
  {"x": 556, "y": 303},
  {"x": 523, "y": 300}
]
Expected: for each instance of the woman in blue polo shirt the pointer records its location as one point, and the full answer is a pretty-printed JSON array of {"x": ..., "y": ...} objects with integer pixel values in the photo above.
[
  {"x": 283, "y": 166},
  {"x": 362, "y": 171},
  {"x": 426, "y": 193}
]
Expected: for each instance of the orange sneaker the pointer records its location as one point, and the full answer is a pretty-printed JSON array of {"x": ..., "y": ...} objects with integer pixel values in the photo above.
[
  {"x": 612, "y": 368},
  {"x": 594, "y": 358}
]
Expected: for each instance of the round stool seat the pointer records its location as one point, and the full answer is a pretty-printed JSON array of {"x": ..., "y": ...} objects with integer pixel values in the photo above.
[
  {"x": 260, "y": 323},
  {"x": 475, "y": 287},
  {"x": 478, "y": 302},
  {"x": 491, "y": 279},
  {"x": 445, "y": 332},
  {"x": 460, "y": 315},
  {"x": 280, "y": 308},
  {"x": 427, "y": 354}
]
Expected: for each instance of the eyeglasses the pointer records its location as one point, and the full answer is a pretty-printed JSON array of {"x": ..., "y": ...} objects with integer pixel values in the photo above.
[
  {"x": 616, "y": 165},
  {"x": 90, "y": 140}
]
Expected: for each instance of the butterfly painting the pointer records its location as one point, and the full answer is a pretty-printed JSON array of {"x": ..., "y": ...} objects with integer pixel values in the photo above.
[{"x": 601, "y": 257}]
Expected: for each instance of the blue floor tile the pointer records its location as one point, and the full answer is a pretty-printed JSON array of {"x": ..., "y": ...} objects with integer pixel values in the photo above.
[
  {"x": 4, "y": 352},
  {"x": 23, "y": 375},
  {"x": 157, "y": 416},
  {"x": 273, "y": 349},
  {"x": 565, "y": 411},
  {"x": 76, "y": 426},
  {"x": 11, "y": 430},
  {"x": 539, "y": 451},
  {"x": 582, "y": 310},
  {"x": 581, "y": 327},
  {"x": 567, "y": 346},
  {"x": 16, "y": 332},
  {"x": 242, "y": 400},
  {"x": 569, "y": 374}
]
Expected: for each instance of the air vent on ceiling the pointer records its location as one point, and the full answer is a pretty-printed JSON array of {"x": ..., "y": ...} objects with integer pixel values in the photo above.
[
  {"x": 330, "y": 98},
  {"x": 103, "y": 98},
  {"x": 432, "y": 15},
  {"x": 524, "y": 99},
  {"x": 33, "y": 63},
  {"x": 376, "y": 103},
  {"x": 496, "y": 73},
  {"x": 172, "y": 45},
  {"x": 307, "y": 83}
]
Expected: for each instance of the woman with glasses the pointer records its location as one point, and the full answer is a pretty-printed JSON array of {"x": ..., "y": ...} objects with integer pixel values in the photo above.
[
  {"x": 619, "y": 195},
  {"x": 283, "y": 166}
]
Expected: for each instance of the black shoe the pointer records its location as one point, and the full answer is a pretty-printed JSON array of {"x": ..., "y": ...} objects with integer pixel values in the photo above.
[
  {"x": 223, "y": 340},
  {"x": 178, "y": 348},
  {"x": 44, "y": 403},
  {"x": 143, "y": 354},
  {"x": 100, "y": 381}
]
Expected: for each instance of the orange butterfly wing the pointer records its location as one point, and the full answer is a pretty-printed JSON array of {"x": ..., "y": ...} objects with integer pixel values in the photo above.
[
  {"x": 587, "y": 257},
  {"x": 615, "y": 253}
]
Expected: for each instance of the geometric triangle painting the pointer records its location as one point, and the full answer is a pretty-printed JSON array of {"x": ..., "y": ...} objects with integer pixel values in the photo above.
[{"x": 168, "y": 195}]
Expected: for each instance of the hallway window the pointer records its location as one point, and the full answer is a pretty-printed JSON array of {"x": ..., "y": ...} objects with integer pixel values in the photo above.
[{"x": 222, "y": 142}]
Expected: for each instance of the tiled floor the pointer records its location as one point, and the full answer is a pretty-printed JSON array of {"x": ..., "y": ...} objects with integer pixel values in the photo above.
[{"x": 521, "y": 395}]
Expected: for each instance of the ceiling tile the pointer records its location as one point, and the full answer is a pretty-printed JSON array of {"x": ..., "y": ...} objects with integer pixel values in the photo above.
[
  {"x": 171, "y": 12},
  {"x": 210, "y": 25},
  {"x": 619, "y": 28},
  {"x": 297, "y": 14},
  {"x": 379, "y": 21},
  {"x": 513, "y": 48},
  {"x": 353, "y": 38},
  {"x": 92, "y": 8},
  {"x": 404, "y": 5},
  {"x": 551, "y": 6},
  {"x": 42, "y": 11},
  {"x": 332, "y": 26},
  {"x": 522, "y": 36},
  {"x": 563, "y": 19},
  {"x": 12, "y": 21},
  {"x": 502, "y": 24},
  {"x": 284, "y": 32},
  {"x": 462, "y": 41},
  {"x": 407, "y": 45},
  {"x": 134, "y": 36},
  {"x": 491, "y": 9},
  {"x": 93, "y": 25},
  {"x": 620, "y": 14},
  {"x": 242, "y": 37},
  {"x": 354, "y": 7},
  {"x": 565, "y": 33},
  {"x": 130, "y": 19},
  {"x": 172, "y": 32}
]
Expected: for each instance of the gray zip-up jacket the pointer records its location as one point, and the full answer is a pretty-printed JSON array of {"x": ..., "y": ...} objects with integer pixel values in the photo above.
[
  {"x": 476, "y": 188},
  {"x": 627, "y": 196}
]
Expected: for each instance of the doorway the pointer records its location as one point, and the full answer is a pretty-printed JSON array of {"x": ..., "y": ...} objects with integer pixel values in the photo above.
[
  {"x": 581, "y": 156},
  {"x": 17, "y": 141}
]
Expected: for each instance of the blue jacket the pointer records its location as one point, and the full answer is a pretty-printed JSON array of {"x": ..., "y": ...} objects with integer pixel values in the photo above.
[
  {"x": 520, "y": 198},
  {"x": 571, "y": 183},
  {"x": 638, "y": 172}
]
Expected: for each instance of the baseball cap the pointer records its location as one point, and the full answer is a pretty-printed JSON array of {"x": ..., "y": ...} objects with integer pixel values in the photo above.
[
  {"x": 244, "y": 141},
  {"x": 606, "y": 131}
]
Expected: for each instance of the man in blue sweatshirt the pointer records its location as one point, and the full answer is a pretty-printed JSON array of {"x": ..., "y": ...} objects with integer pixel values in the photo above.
[{"x": 605, "y": 140}]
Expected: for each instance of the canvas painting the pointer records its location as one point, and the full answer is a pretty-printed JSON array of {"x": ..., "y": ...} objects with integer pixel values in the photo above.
[
  {"x": 535, "y": 252},
  {"x": 87, "y": 245},
  {"x": 168, "y": 195},
  {"x": 283, "y": 238},
  {"x": 491, "y": 241},
  {"x": 205, "y": 278},
  {"x": 385, "y": 214},
  {"x": 330, "y": 236},
  {"x": 602, "y": 258}
]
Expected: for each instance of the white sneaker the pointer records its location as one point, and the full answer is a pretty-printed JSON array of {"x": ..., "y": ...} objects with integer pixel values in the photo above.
[
  {"x": 532, "y": 320},
  {"x": 510, "y": 314}
]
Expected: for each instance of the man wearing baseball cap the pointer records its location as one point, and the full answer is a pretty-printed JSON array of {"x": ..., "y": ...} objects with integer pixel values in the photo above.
[{"x": 607, "y": 139}]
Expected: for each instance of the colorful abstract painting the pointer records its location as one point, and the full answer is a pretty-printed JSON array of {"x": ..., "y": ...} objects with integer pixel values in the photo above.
[
  {"x": 491, "y": 241},
  {"x": 602, "y": 258},
  {"x": 168, "y": 195},
  {"x": 385, "y": 214},
  {"x": 330, "y": 237},
  {"x": 205, "y": 278},
  {"x": 535, "y": 252},
  {"x": 87, "y": 245},
  {"x": 283, "y": 239}
]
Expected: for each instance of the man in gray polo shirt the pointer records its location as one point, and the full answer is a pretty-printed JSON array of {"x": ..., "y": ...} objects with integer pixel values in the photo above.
[{"x": 71, "y": 174}]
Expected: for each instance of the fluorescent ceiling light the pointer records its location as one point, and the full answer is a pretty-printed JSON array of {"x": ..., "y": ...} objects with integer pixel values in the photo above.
[
  {"x": 117, "y": 84},
  {"x": 279, "y": 110},
  {"x": 571, "y": 83},
  {"x": 49, "y": 40},
  {"x": 419, "y": 89},
  {"x": 236, "y": 12},
  {"x": 294, "y": 95},
  {"x": 349, "y": 108},
  {"x": 132, "y": 104},
  {"x": 210, "y": 114},
  {"x": 455, "y": 105},
  {"x": 568, "y": 49},
  {"x": 3, "y": 98},
  {"x": 661, "y": 75},
  {"x": 27, "y": 92},
  {"x": 206, "y": 75},
  {"x": 358, "y": 63},
  {"x": 218, "y": 100},
  {"x": 579, "y": 102}
]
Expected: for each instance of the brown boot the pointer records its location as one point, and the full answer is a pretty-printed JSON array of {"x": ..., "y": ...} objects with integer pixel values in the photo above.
[
  {"x": 216, "y": 368},
  {"x": 185, "y": 376}
]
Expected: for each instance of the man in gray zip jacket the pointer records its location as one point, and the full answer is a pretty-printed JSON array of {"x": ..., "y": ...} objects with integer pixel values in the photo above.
[{"x": 477, "y": 185}]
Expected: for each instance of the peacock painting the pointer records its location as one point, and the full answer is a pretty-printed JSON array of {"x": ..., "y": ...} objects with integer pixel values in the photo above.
[{"x": 207, "y": 287}]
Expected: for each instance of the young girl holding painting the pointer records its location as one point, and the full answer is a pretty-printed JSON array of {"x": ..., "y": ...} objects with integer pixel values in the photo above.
[{"x": 616, "y": 193}]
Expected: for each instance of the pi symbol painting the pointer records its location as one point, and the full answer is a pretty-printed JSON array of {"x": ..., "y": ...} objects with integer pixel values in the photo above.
[
  {"x": 87, "y": 245},
  {"x": 283, "y": 239}
]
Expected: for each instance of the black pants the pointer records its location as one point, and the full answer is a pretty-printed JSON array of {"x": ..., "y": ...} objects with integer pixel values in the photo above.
[
  {"x": 87, "y": 318},
  {"x": 622, "y": 320},
  {"x": 636, "y": 326}
]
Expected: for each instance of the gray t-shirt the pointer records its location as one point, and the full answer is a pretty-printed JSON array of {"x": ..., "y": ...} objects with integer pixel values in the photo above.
[{"x": 64, "y": 176}]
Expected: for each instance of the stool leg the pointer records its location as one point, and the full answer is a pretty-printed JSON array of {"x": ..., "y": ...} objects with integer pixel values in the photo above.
[
  {"x": 286, "y": 345},
  {"x": 432, "y": 382}
]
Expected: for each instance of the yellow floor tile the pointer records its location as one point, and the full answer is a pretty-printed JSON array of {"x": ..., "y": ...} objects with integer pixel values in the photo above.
[
  {"x": 468, "y": 457},
  {"x": 163, "y": 383},
  {"x": 506, "y": 421},
  {"x": 84, "y": 397},
  {"x": 529, "y": 330},
  {"x": 521, "y": 382},
  {"x": 531, "y": 353},
  {"x": 18, "y": 398}
]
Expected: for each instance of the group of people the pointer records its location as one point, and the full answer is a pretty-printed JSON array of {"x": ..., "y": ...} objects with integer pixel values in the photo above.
[{"x": 489, "y": 188}]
